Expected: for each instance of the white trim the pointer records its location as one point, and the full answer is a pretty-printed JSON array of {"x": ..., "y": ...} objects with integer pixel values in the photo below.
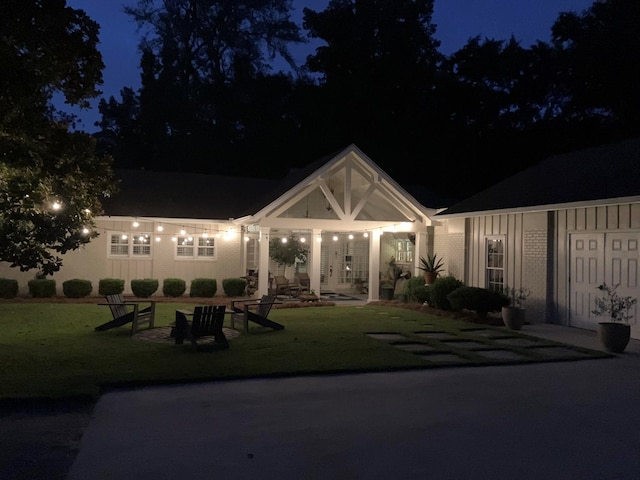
[{"x": 545, "y": 208}]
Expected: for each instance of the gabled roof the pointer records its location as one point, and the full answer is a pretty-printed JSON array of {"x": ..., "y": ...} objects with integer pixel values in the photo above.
[
  {"x": 609, "y": 173},
  {"x": 144, "y": 193}
]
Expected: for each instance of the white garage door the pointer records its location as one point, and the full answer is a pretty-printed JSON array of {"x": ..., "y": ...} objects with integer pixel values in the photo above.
[{"x": 596, "y": 258}]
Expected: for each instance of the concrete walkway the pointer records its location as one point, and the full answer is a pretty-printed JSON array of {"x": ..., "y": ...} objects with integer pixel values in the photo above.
[{"x": 564, "y": 420}]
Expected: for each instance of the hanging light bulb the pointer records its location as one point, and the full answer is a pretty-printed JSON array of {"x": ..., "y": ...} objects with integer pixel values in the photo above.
[
  {"x": 160, "y": 228},
  {"x": 135, "y": 224}
]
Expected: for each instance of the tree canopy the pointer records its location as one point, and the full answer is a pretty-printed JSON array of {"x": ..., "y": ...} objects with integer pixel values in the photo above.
[{"x": 51, "y": 180}]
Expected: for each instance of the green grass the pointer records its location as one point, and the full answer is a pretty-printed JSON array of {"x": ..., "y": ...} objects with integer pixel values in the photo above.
[{"x": 52, "y": 350}]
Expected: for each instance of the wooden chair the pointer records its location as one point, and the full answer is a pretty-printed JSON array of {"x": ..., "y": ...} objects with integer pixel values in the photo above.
[
  {"x": 305, "y": 282},
  {"x": 206, "y": 321},
  {"x": 254, "y": 311},
  {"x": 122, "y": 315},
  {"x": 285, "y": 287}
]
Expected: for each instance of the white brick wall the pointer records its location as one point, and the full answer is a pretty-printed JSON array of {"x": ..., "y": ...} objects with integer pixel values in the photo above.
[
  {"x": 534, "y": 273},
  {"x": 450, "y": 247}
]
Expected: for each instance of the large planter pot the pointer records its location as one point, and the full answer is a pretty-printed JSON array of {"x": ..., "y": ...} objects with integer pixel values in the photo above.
[
  {"x": 386, "y": 293},
  {"x": 430, "y": 277},
  {"x": 513, "y": 317},
  {"x": 614, "y": 336}
]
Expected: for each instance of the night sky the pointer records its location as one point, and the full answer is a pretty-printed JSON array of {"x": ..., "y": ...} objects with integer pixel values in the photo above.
[{"x": 456, "y": 20}]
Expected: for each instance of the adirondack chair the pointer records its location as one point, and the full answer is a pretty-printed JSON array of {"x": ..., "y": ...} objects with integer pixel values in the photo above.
[
  {"x": 256, "y": 311},
  {"x": 206, "y": 321},
  {"x": 122, "y": 314}
]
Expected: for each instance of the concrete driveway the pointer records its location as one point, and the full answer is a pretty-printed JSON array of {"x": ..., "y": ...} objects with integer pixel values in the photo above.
[{"x": 564, "y": 420}]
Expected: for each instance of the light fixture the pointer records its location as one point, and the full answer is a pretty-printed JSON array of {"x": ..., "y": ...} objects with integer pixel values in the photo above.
[
  {"x": 246, "y": 238},
  {"x": 303, "y": 240},
  {"x": 160, "y": 228},
  {"x": 351, "y": 236},
  {"x": 56, "y": 205},
  {"x": 157, "y": 239},
  {"x": 183, "y": 232},
  {"x": 284, "y": 239},
  {"x": 365, "y": 234},
  {"x": 85, "y": 230},
  {"x": 135, "y": 224},
  {"x": 124, "y": 236},
  {"x": 335, "y": 238}
]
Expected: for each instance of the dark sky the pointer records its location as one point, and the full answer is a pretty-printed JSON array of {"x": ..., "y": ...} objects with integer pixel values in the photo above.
[{"x": 456, "y": 20}]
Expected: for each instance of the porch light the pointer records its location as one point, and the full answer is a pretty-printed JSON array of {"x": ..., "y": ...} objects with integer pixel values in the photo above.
[
  {"x": 160, "y": 228},
  {"x": 135, "y": 224},
  {"x": 335, "y": 238},
  {"x": 351, "y": 236},
  {"x": 365, "y": 234},
  {"x": 183, "y": 232}
]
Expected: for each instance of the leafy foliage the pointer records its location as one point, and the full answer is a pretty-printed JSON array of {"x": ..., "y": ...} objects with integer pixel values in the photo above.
[
  {"x": 612, "y": 305},
  {"x": 203, "y": 287},
  {"x": 440, "y": 289},
  {"x": 76, "y": 288},
  {"x": 51, "y": 180},
  {"x": 173, "y": 287},
  {"x": 481, "y": 300},
  {"x": 285, "y": 253},
  {"x": 145, "y": 287}
]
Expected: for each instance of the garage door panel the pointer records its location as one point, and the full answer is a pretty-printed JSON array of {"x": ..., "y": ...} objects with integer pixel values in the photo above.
[{"x": 596, "y": 258}]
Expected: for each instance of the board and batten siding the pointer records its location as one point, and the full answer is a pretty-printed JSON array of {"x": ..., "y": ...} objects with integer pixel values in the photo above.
[
  {"x": 526, "y": 255},
  {"x": 612, "y": 218},
  {"x": 448, "y": 245}
]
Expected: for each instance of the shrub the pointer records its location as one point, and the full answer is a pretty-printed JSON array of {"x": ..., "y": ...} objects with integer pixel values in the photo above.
[
  {"x": 481, "y": 300},
  {"x": 8, "y": 288},
  {"x": 416, "y": 290},
  {"x": 439, "y": 290},
  {"x": 76, "y": 288},
  {"x": 203, "y": 287},
  {"x": 174, "y": 287},
  {"x": 110, "y": 286},
  {"x": 234, "y": 287},
  {"x": 145, "y": 287},
  {"x": 41, "y": 288}
]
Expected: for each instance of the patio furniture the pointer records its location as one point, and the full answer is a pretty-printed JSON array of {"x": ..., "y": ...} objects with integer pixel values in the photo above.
[
  {"x": 305, "y": 283},
  {"x": 256, "y": 311},
  {"x": 285, "y": 287},
  {"x": 206, "y": 322},
  {"x": 122, "y": 315}
]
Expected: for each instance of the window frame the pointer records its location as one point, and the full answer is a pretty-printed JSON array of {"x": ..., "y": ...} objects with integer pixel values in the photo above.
[
  {"x": 197, "y": 247},
  {"x": 131, "y": 243},
  {"x": 491, "y": 280}
]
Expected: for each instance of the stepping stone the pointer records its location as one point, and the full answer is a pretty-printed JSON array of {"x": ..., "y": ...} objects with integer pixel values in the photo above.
[
  {"x": 487, "y": 333},
  {"x": 502, "y": 355},
  {"x": 417, "y": 348},
  {"x": 386, "y": 336},
  {"x": 559, "y": 352},
  {"x": 465, "y": 344},
  {"x": 437, "y": 335},
  {"x": 517, "y": 342},
  {"x": 443, "y": 358}
]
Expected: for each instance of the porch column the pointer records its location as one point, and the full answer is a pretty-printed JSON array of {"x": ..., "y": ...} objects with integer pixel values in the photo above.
[
  {"x": 263, "y": 269},
  {"x": 315, "y": 248},
  {"x": 374, "y": 266},
  {"x": 420, "y": 250}
]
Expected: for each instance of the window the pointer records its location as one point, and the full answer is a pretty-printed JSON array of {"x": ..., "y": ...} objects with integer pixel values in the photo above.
[
  {"x": 130, "y": 245},
  {"x": 190, "y": 247},
  {"x": 404, "y": 251},
  {"x": 495, "y": 263}
]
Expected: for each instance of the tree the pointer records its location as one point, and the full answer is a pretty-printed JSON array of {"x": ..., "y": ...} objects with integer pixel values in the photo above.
[
  {"x": 600, "y": 53},
  {"x": 286, "y": 251},
  {"x": 202, "y": 61},
  {"x": 51, "y": 180}
]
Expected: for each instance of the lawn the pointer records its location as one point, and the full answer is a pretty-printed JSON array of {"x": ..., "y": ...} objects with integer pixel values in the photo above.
[{"x": 52, "y": 350}]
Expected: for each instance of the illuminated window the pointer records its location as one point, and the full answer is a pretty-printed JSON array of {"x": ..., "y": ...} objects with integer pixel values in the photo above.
[
  {"x": 190, "y": 247},
  {"x": 495, "y": 263},
  {"x": 129, "y": 244},
  {"x": 404, "y": 251}
]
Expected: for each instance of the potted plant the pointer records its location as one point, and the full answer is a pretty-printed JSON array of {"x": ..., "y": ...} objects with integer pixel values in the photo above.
[
  {"x": 615, "y": 332},
  {"x": 513, "y": 315},
  {"x": 431, "y": 266}
]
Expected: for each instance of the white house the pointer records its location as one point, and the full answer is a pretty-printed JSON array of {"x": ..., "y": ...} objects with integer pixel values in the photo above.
[
  {"x": 353, "y": 216},
  {"x": 560, "y": 228}
]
